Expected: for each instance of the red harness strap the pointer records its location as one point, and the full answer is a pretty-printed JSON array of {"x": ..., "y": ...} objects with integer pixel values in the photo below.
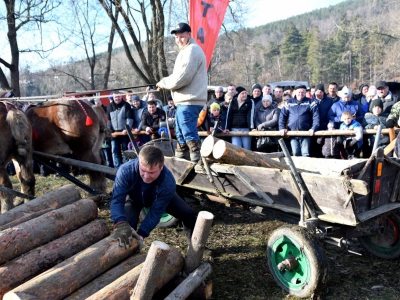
[{"x": 89, "y": 121}]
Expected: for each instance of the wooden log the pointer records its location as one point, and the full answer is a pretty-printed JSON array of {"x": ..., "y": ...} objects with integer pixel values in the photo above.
[
  {"x": 54, "y": 199},
  {"x": 40, "y": 259},
  {"x": 123, "y": 286},
  {"x": 36, "y": 232},
  {"x": 207, "y": 146},
  {"x": 191, "y": 282},
  {"x": 73, "y": 273},
  {"x": 202, "y": 292},
  {"x": 389, "y": 148},
  {"x": 151, "y": 270},
  {"x": 108, "y": 277},
  {"x": 228, "y": 153},
  {"x": 200, "y": 235}
]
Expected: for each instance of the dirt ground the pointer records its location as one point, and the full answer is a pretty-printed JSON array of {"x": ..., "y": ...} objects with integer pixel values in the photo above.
[{"x": 238, "y": 241}]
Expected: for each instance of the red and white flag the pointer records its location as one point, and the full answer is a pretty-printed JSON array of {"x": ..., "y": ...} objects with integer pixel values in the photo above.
[{"x": 205, "y": 20}]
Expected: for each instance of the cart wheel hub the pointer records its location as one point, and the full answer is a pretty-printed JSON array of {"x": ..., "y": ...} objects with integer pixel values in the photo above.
[{"x": 289, "y": 264}]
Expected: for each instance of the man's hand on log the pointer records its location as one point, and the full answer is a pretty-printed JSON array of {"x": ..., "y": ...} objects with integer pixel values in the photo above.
[
  {"x": 123, "y": 233},
  {"x": 283, "y": 132}
]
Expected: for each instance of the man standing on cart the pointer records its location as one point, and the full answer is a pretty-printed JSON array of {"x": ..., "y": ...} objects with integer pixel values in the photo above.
[{"x": 188, "y": 85}]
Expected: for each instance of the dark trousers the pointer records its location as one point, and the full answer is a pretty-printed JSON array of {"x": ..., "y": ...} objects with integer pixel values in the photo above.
[{"x": 177, "y": 208}]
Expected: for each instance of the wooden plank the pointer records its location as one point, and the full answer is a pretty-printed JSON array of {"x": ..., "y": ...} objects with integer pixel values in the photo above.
[
  {"x": 251, "y": 185},
  {"x": 337, "y": 219},
  {"x": 362, "y": 217},
  {"x": 185, "y": 173}
]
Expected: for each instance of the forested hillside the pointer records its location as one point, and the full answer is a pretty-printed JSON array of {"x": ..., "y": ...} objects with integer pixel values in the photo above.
[{"x": 353, "y": 42}]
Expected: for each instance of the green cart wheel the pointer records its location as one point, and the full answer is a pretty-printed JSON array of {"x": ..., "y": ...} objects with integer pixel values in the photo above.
[
  {"x": 384, "y": 245},
  {"x": 297, "y": 261},
  {"x": 166, "y": 220}
]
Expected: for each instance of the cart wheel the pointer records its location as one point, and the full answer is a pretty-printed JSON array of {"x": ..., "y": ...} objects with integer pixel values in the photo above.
[
  {"x": 297, "y": 261},
  {"x": 384, "y": 245},
  {"x": 166, "y": 220}
]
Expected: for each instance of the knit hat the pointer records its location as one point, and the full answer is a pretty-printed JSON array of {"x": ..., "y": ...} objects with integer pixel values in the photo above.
[
  {"x": 320, "y": 87},
  {"x": 346, "y": 91},
  {"x": 376, "y": 102},
  {"x": 240, "y": 89},
  {"x": 362, "y": 86},
  {"x": 267, "y": 97},
  {"x": 214, "y": 105},
  {"x": 371, "y": 91},
  {"x": 135, "y": 98},
  {"x": 256, "y": 86}
]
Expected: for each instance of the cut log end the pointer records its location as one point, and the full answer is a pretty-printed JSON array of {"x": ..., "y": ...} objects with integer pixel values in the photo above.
[
  {"x": 206, "y": 215},
  {"x": 219, "y": 150},
  {"x": 208, "y": 145},
  {"x": 161, "y": 245}
]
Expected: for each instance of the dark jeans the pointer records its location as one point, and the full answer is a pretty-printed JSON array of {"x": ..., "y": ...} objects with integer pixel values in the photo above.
[
  {"x": 107, "y": 154},
  {"x": 119, "y": 144},
  {"x": 177, "y": 208}
]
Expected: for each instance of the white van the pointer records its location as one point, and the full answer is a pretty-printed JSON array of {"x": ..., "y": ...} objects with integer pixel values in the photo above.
[{"x": 288, "y": 83}]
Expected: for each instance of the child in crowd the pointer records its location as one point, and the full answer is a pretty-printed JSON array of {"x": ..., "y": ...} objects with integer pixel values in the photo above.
[
  {"x": 373, "y": 119},
  {"x": 330, "y": 145},
  {"x": 212, "y": 116},
  {"x": 351, "y": 147}
]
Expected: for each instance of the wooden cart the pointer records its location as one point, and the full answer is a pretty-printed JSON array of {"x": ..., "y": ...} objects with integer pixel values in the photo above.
[{"x": 335, "y": 201}]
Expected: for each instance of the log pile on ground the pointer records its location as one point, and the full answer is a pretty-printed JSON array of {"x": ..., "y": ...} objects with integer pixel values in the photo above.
[{"x": 54, "y": 247}]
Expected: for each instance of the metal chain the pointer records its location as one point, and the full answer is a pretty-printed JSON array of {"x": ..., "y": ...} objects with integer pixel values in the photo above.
[{"x": 219, "y": 193}]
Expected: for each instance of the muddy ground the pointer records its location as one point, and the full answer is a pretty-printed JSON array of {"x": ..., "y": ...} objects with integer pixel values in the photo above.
[{"x": 238, "y": 240}]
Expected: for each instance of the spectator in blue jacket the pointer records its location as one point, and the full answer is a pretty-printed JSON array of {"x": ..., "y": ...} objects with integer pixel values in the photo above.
[
  {"x": 346, "y": 103},
  {"x": 324, "y": 103},
  {"x": 301, "y": 114},
  {"x": 146, "y": 182}
]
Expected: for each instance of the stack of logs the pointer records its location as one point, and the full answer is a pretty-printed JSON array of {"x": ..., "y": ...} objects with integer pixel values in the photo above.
[{"x": 54, "y": 247}]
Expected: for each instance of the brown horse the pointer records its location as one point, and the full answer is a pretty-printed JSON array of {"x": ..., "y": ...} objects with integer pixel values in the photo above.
[
  {"x": 60, "y": 127},
  {"x": 15, "y": 143}
]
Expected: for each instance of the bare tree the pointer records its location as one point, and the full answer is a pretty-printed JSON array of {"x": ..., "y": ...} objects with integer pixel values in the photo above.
[{"x": 32, "y": 14}]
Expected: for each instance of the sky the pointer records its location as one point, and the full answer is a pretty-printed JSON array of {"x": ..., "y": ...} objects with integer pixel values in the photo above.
[
  {"x": 260, "y": 13},
  {"x": 264, "y": 11}
]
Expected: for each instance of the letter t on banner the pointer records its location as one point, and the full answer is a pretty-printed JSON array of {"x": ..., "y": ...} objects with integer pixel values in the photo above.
[{"x": 205, "y": 20}]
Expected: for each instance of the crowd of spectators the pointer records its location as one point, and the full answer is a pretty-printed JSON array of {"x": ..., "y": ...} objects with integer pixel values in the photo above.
[{"x": 306, "y": 109}]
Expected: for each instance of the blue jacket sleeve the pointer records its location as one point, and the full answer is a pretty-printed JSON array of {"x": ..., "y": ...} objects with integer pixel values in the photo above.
[
  {"x": 315, "y": 112},
  {"x": 360, "y": 114},
  {"x": 283, "y": 118},
  {"x": 124, "y": 181}
]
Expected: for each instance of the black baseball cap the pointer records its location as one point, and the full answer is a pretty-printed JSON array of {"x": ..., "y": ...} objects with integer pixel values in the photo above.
[
  {"x": 381, "y": 84},
  {"x": 181, "y": 27},
  {"x": 301, "y": 86}
]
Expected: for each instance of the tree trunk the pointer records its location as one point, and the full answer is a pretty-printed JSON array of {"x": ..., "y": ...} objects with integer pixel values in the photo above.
[
  {"x": 108, "y": 277},
  {"x": 150, "y": 274},
  {"x": 28, "y": 235},
  {"x": 191, "y": 282},
  {"x": 123, "y": 286},
  {"x": 42, "y": 258},
  {"x": 225, "y": 152},
  {"x": 53, "y": 200},
  {"x": 68, "y": 276},
  {"x": 109, "y": 52},
  {"x": 198, "y": 241}
]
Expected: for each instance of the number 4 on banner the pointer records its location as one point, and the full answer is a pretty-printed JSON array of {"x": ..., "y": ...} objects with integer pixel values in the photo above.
[{"x": 205, "y": 19}]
